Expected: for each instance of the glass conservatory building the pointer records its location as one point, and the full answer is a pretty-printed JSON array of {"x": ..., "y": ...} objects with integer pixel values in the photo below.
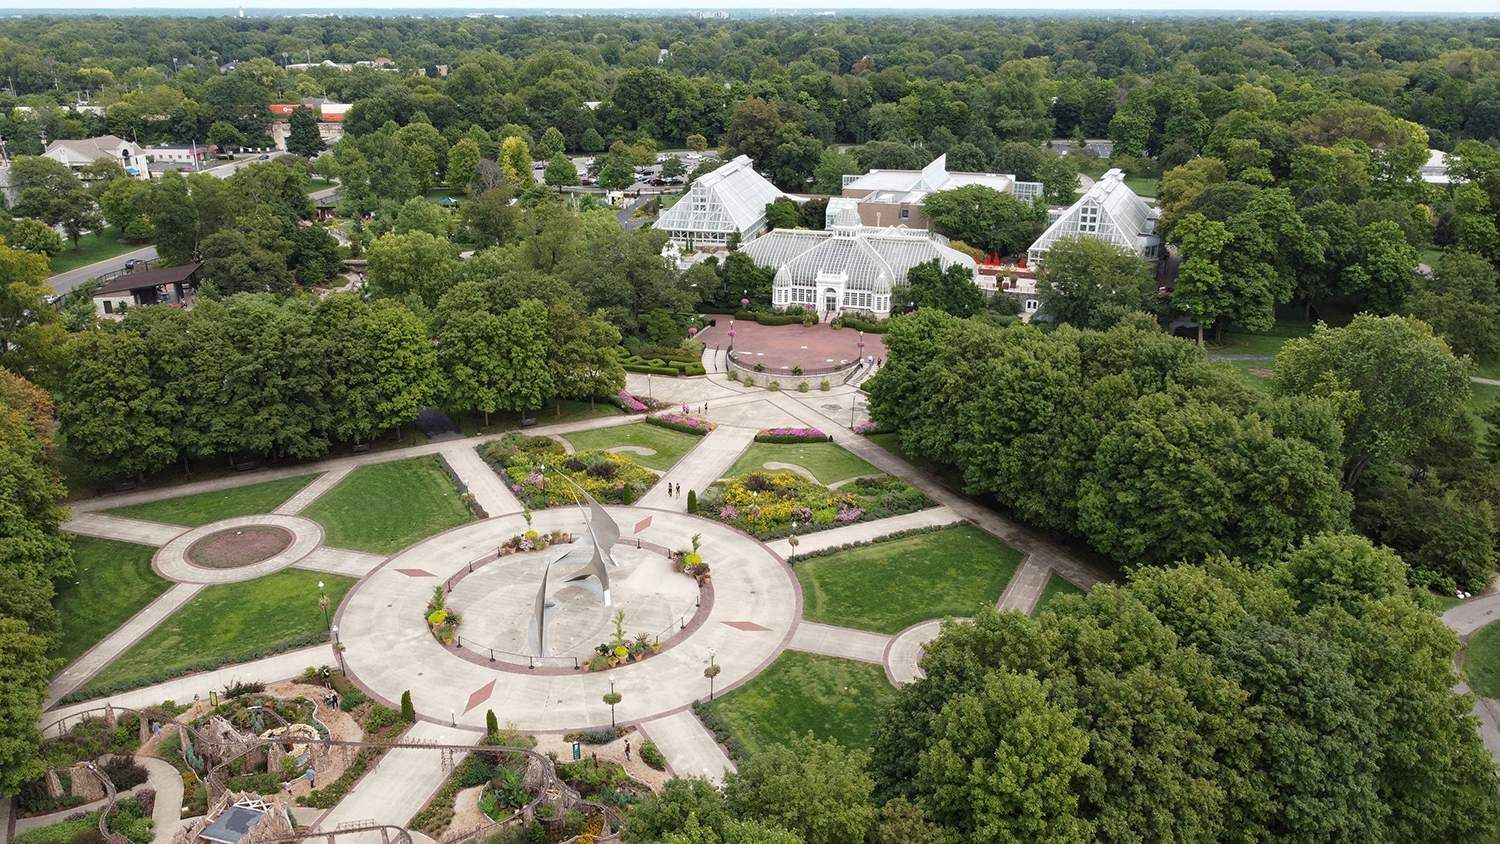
[
  {"x": 850, "y": 267},
  {"x": 1109, "y": 211},
  {"x": 731, "y": 200}
]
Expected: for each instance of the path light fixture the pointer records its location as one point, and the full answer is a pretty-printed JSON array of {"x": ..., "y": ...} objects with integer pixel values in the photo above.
[
  {"x": 323, "y": 604},
  {"x": 711, "y": 672}
]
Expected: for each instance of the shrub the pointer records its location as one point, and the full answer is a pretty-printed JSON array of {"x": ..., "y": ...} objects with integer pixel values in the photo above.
[
  {"x": 692, "y": 501},
  {"x": 240, "y": 688},
  {"x": 764, "y": 504},
  {"x": 802, "y": 387},
  {"x": 682, "y": 422},
  {"x": 652, "y": 756},
  {"x": 408, "y": 713},
  {"x": 379, "y": 717},
  {"x": 774, "y": 386},
  {"x": 604, "y": 735},
  {"x": 791, "y": 435},
  {"x": 628, "y": 403},
  {"x": 824, "y": 385},
  {"x": 491, "y": 723}
]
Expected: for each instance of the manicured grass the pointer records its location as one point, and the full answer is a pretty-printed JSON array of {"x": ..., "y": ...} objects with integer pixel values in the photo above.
[
  {"x": 800, "y": 693},
  {"x": 93, "y": 247},
  {"x": 205, "y": 507},
  {"x": 384, "y": 507},
  {"x": 1446, "y": 602},
  {"x": 226, "y": 624},
  {"x": 891, "y": 441},
  {"x": 556, "y": 412},
  {"x": 1482, "y": 661},
  {"x": 889, "y": 586},
  {"x": 828, "y": 462},
  {"x": 669, "y": 445},
  {"x": 1056, "y": 587},
  {"x": 112, "y": 582},
  {"x": 1143, "y": 186}
]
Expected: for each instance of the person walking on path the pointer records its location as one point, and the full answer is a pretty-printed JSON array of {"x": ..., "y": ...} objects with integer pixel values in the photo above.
[{"x": 627, "y": 750}]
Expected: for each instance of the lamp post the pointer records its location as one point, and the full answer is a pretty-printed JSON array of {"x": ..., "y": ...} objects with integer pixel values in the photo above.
[
  {"x": 792, "y": 540},
  {"x": 338, "y": 649},
  {"x": 711, "y": 672},
  {"x": 612, "y": 698},
  {"x": 323, "y": 604},
  {"x": 861, "y": 345}
]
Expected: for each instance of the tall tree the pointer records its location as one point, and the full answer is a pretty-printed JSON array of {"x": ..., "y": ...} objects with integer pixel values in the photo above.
[
  {"x": 1091, "y": 283},
  {"x": 303, "y": 137}
]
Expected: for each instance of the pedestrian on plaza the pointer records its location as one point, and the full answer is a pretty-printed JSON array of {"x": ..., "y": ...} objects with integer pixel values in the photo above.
[{"x": 627, "y": 750}]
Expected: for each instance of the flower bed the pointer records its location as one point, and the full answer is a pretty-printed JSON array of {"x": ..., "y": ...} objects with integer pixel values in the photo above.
[
  {"x": 621, "y": 649},
  {"x": 628, "y": 403},
  {"x": 609, "y": 478},
  {"x": 533, "y": 541},
  {"x": 868, "y": 427},
  {"x": 765, "y": 504},
  {"x": 443, "y": 623},
  {"x": 791, "y": 435},
  {"x": 682, "y": 422}
]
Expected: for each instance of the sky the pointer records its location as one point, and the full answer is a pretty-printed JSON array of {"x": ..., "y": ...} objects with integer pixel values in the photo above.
[{"x": 1296, "y": 7}]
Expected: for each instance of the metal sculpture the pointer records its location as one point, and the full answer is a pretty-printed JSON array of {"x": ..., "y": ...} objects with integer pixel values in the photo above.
[{"x": 600, "y": 533}]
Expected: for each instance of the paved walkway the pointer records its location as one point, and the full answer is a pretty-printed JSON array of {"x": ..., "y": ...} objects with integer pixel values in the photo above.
[
  {"x": 1469, "y": 616},
  {"x": 1026, "y": 585},
  {"x": 123, "y": 637},
  {"x": 401, "y": 783},
  {"x": 844, "y": 642},
  {"x": 310, "y": 493},
  {"x": 867, "y": 531},
  {"x": 267, "y": 670},
  {"x": 122, "y": 529},
  {"x": 690, "y": 748},
  {"x": 339, "y": 561},
  {"x": 166, "y": 814},
  {"x": 904, "y": 656},
  {"x": 483, "y": 483},
  {"x": 706, "y": 463}
]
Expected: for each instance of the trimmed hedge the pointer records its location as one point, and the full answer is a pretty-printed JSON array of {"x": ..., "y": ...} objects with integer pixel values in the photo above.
[
  {"x": 726, "y": 739},
  {"x": 784, "y": 436},
  {"x": 788, "y": 317},
  {"x": 793, "y": 559},
  {"x": 858, "y": 323},
  {"x": 660, "y": 366}
]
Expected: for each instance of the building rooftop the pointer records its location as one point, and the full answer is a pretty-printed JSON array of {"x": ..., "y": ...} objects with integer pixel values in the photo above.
[
  {"x": 1123, "y": 217},
  {"x": 104, "y": 146},
  {"x": 233, "y": 824},
  {"x": 878, "y": 257},
  {"x": 733, "y": 191},
  {"x": 149, "y": 278},
  {"x": 912, "y": 186}
]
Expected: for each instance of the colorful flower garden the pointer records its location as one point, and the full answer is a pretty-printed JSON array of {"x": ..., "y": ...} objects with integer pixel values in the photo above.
[
  {"x": 520, "y": 460},
  {"x": 766, "y": 504}
]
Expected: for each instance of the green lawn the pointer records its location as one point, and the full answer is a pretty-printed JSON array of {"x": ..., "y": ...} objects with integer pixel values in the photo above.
[
  {"x": 828, "y": 462},
  {"x": 112, "y": 582},
  {"x": 891, "y": 441},
  {"x": 1056, "y": 586},
  {"x": 384, "y": 507},
  {"x": 889, "y": 586},
  {"x": 91, "y": 248},
  {"x": 1482, "y": 660},
  {"x": 556, "y": 412},
  {"x": 1144, "y": 186},
  {"x": 669, "y": 445},
  {"x": 800, "y": 693},
  {"x": 205, "y": 507},
  {"x": 226, "y": 624}
]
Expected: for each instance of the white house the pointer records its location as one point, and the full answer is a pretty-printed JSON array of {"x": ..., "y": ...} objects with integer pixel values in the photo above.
[
  {"x": 1109, "y": 211},
  {"x": 850, "y": 267},
  {"x": 78, "y": 153},
  {"x": 729, "y": 201},
  {"x": 1435, "y": 171}
]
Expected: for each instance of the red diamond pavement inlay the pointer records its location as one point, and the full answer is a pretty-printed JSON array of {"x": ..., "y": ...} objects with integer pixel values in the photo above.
[
  {"x": 480, "y": 695},
  {"x": 416, "y": 572},
  {"x": 748, "y": 626}
]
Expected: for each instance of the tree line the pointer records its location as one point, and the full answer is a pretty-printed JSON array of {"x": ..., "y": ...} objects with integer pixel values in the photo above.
[
  {"x": 257, "y": 376},
  {"x": 1308, "y": 697}
]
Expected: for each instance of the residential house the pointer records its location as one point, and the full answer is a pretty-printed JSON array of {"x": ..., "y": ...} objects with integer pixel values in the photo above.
[{"x": 79, "y": 153}]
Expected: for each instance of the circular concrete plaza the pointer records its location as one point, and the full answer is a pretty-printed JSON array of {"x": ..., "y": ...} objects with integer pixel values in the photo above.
[
  {"x": 816, "y": 347},
  {"x": 223, "y": 551},
  {"x": 389, "y": 650}
]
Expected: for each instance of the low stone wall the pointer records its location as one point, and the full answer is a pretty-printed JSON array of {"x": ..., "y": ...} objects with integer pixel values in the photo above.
[{"x": 786, "y": 380}]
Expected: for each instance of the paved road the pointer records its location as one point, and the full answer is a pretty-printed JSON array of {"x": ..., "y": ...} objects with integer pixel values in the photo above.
[{"x": 65, "y": 281}]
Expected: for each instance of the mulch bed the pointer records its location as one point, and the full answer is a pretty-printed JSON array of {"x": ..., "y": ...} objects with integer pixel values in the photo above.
[{"x": 237, "y": 547}]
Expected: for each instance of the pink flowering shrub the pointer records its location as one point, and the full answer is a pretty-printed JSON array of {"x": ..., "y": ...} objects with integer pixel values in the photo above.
[
  {"x": 682, "y": 422},
  {"x": 629, "y": 403},
  {"x": 791, "y": 435},
  {"x": 867, "y": 427}
]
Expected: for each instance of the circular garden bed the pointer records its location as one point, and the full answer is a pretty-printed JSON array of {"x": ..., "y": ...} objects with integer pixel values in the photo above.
[{"x": 236, "y": 547}]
